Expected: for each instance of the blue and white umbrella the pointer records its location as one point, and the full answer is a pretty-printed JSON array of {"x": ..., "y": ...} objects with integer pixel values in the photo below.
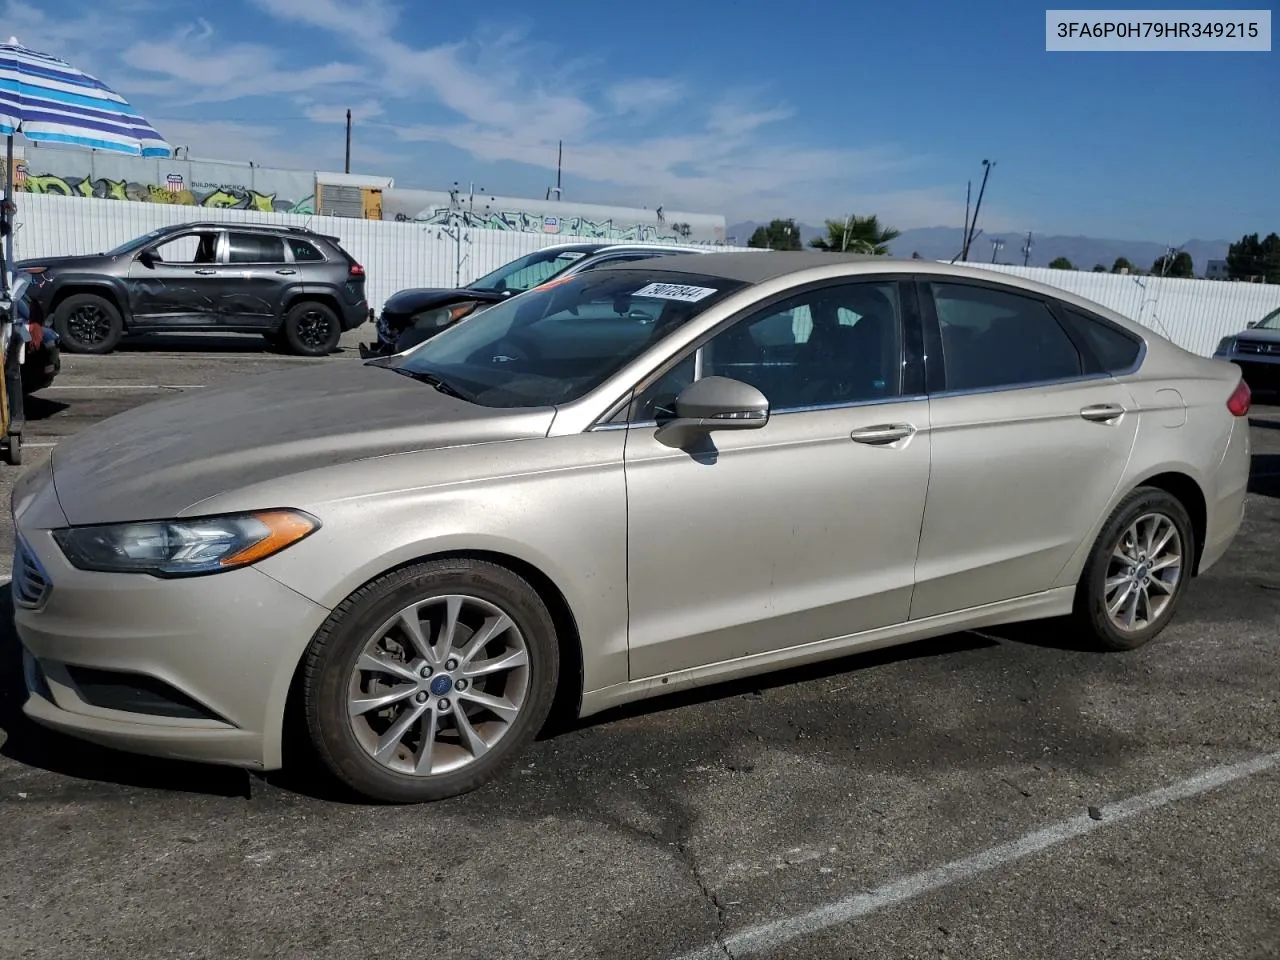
[{"x": 47, "y": 99}]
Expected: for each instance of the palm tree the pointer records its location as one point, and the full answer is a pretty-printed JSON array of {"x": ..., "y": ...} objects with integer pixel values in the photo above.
[{"x": 856, "y": 235}]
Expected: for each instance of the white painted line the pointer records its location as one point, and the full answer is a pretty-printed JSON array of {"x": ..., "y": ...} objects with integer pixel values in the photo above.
[
  {"x": 123, "y": 386},
  {"x": 768, "y": 936},
  {"x": 37, "y": 443}
]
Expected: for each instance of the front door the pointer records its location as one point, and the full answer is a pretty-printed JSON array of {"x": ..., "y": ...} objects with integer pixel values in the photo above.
[
  {"x": 1026, "y": 444},
  {"x": 177, "y": 282},
  {"x": 802, "y": 530}
]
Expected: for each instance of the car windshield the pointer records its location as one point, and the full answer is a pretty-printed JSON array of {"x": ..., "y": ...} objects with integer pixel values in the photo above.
[
  {"x": 529, "y": 271},
  {"x": 136, "y": 243},
  {"x": 556, "y": 344},
  {"x": 1270, "y": 322}
]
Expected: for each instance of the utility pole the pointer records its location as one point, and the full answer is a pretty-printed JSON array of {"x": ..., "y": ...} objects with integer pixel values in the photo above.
[
  {"x": 996, "y": 246},
  {"x": 987, "y": 164},
  {"x": 559, "y": 167},
  {"x": 347, "y": 168},
  {"x": 964, "y": 237},
  {"x": 1026, "y": 250}
]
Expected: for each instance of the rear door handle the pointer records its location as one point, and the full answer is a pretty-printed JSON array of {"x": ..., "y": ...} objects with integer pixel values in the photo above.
[
  {"x": 286, "y": 273},
  {"x": 206, "y": 273},
  {"x": 883, "y": 434},
  {"x": 1102, "y": 412}
]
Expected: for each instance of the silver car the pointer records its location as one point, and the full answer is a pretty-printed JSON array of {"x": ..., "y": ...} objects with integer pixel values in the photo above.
[
  {"x": 625, "y": 483},
  {"x": 1256, "y": 351}
]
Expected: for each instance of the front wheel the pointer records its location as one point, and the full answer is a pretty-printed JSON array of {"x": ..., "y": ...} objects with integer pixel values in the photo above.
[
  {"x": 88, "y": 323},
  {"x": 1137, "y": 570},
  {"x": 311, "y": 329},
  {"x": 429, "y": 679}
]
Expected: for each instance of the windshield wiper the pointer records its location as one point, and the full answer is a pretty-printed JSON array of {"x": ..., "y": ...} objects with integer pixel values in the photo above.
[{"x": 423, "y": 377}]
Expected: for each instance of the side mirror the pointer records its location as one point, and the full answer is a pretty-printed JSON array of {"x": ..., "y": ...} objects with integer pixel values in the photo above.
[
  {"x": 147, "y": 258},
  {"x": 716, "y": 403},
  {"x": 1251, "y": 324}
]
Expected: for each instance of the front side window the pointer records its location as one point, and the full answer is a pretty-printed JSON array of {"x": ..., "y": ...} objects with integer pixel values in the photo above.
[
  {"x": 1270, "y": 322},
  {"x": 555, "y": 344},
  {"x": 831, "y": 346},
  {"x": 993, "y": 339},
  {"x": 187, "y": 248}
]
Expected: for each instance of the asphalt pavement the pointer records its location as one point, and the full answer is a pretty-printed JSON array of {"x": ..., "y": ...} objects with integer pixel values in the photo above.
[{"x": 991, "y": 795}]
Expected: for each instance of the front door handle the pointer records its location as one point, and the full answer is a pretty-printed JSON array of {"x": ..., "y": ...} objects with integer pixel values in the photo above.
[
  {"x": 286, "y": 273},
  {"x": 206, "y": 273},
  {"x": 883, "y": 434},
  {"x": 1102, "y": 412}
]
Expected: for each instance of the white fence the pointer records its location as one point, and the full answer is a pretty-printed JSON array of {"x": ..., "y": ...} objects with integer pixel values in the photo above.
[
  {"x": 395, "y": 255},
  {"x": 1196, "y": 314}
]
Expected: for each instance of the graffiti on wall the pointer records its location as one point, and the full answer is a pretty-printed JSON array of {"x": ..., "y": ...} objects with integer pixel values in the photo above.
[
  {"x": 175, "y": 191},
  {"x": 519, "y": 221}
]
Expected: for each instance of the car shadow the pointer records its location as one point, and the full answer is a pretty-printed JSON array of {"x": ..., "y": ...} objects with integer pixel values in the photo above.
[
  {"x": 223, "y": 343},
  {"x": 1264, "y": 473},
  {"x": 36, "y": 407},
  {"x": 28, "y": 743}
]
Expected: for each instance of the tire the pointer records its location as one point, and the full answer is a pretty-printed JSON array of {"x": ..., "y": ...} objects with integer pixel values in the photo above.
[
  {"x": 88, "y": 323},
  {"x": 12, "y": 449},
  {"x": 347, "y": 745},
  {"x": 1091, "y": 604},
  {"x": 311, "y": 329}
]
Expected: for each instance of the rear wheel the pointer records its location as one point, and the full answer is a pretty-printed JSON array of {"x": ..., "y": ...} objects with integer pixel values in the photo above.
[
  {"x": 311, "y": 329},
  {"x": 88, "y": 323},
  {"x": 1137, "y": 570},
  {"x": 427, "y": 681}
]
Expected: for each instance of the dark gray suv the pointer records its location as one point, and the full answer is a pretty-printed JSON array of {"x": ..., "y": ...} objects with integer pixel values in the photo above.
[{"x": 299, "y": 289}]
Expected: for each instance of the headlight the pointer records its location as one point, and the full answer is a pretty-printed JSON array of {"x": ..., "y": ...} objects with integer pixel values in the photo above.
[
  {"x": 444, "y": 316},
  {"x": 177, "y": 548}
]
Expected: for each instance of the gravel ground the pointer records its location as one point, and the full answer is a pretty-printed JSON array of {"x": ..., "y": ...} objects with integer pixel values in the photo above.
[{"x": 719, "y": 823}]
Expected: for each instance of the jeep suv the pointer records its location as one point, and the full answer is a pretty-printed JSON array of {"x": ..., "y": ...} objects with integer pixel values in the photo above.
[{"x": 297, "y": 288}]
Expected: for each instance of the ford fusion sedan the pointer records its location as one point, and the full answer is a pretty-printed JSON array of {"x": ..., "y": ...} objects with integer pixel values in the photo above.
[{"x": 634, "y": 481}]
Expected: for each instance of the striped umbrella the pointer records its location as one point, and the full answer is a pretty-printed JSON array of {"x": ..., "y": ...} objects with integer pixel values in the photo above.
[{"x": 47, "y": 99}]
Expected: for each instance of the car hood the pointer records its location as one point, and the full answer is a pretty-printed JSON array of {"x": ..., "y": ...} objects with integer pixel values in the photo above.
[
  {"x": 427, "y": 298},
  {"x": 87, "y": 261},
  {"x": 1254, "y": 333},
  {"x": 164, "y": 458}
]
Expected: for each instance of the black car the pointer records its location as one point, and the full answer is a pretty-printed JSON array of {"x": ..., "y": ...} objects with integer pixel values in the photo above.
[
  {"x": 411, "y": 316},
  {"x": 297, "y": 288}
]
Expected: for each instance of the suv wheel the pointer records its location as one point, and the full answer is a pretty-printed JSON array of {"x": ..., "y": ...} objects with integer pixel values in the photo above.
[
  {"x": 311, "y": 329},
  {"x": 88, "y": 323}
]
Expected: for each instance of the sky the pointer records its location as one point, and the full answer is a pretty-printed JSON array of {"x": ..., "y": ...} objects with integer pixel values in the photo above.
[{"x": 746, "y": 108}]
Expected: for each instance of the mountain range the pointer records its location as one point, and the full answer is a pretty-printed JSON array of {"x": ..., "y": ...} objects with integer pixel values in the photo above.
[{"x": 943, "y": 243}]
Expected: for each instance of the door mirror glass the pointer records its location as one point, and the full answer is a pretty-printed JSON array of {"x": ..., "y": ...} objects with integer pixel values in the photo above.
[{"x": 716, "y": 403}]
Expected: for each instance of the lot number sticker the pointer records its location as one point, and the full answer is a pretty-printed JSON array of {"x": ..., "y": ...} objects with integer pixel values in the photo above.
[{"x": 675, "y": 291}]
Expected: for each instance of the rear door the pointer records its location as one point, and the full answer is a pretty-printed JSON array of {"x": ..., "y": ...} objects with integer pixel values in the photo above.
[
  {"x": 258, "y": 270},
  {"x": 1030, "y": 439}
]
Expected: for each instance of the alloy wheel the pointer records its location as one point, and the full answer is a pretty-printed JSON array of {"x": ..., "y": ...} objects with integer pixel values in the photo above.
[
  {"x": 89, "y": 325},
  {"x": 313, "y": 328},
  {"x": 438, "y": 685},
  {"x": 1143, "y": 573}
]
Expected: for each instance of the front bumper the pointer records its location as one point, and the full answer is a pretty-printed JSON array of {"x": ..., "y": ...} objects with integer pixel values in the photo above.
[{"x": 195, "y": 669}]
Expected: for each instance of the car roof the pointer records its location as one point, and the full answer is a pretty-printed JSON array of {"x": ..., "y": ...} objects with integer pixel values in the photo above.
[
  {"x": 250, "y": 227},
  {"x": 659, "y": 247}
]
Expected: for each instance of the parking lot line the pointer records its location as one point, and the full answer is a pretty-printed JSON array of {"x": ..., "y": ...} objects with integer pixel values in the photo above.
[
  {"x": 53, "y": 388},
  {"x": 770, "y": 935}
]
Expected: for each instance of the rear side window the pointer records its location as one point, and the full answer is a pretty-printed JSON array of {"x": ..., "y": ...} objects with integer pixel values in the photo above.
[
  {"x": 254, "y": 248},
  {"x": 992, "y": 339},
  {"x": 1115, "y": 349},
  {"x": 303, "y": 252}
]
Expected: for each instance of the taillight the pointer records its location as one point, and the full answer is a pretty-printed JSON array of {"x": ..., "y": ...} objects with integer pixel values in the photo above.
[
  {"x": 357, "y": 270},
  {"x": 1238, "y": 402}
]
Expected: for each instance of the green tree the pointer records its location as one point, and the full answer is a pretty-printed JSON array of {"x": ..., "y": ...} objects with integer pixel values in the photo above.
[
  {"x": 1178, "y": 265},
  {"x": 1099, "y": 268},
  {"x": 1252, "y": 257},
  {"x": 857, "y": 235},
  {"x": 1121, "y": 264},
  {"x": 778, "y": 235},
  {"x": 1061, "y": 263}
]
